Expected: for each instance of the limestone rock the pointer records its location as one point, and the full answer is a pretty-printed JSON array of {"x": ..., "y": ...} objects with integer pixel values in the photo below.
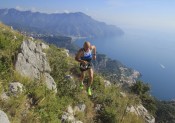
[
  {"x": 131, "y": 109},
  {"x": 32, "y": 62},
  {"x": 80, "y": 107},
  {"x": 107, "y": 83},
  {"x": 143, "y": 112},
  {"x": 44, "y": 46},
  {"x": 139, "y": 110},
  {"x": 15, "y": 88},
  {"x": 4, "y": 96},
  {"x": 98, "y": 107},
  {"x": 50, "y": 83},
  {"x": 3, "y": 117},
  {"x": 70, "y": 110},
  {"x": 69, "y": 115}
]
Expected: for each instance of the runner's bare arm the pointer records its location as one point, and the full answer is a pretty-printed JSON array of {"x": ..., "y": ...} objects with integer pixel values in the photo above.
[{"x": 94, "y": 52}]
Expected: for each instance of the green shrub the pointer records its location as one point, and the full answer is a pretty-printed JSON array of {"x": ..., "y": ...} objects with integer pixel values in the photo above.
[
  {"x": 60, "y": 68},
  {"x": 165, "y": 112},
  {"x": 8, "y": 49},
  {"x": 140, "y": 88},
  {"x": 143, "y": 91}
]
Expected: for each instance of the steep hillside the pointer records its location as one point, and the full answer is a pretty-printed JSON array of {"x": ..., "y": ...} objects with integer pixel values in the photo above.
[
  {"x": 72, "y": 24},
  {"x": 112, "y": 70},
  {"x": 27, "y": 95}
]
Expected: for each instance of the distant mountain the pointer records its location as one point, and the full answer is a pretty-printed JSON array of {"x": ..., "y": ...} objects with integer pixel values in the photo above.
[{"x": 68, "y": 24}]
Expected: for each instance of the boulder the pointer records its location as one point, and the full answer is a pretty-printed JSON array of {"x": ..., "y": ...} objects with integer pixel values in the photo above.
[
  {"x": 15, "y": 88},
  {"x": 69, "y": 115},
  {"x": 4, "y": 96},
  {"x": 50, "y": 83},
  {"x": 3, "y": 117},
  {"x": 80, "y": 107}
]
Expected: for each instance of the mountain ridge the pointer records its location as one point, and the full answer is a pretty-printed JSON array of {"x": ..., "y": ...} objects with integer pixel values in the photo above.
[{"x": 69, "y": 24}]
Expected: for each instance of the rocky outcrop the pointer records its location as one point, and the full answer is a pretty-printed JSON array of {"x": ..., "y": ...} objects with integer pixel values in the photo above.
[
  {"x": 32, "y": 62},
  {"x": 139, "y": 110},
  {"x": 69, "y": 115},
  {"x": 3, "y": 117}
]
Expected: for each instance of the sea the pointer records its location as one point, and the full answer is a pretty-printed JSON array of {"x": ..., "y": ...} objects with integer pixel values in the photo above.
[{"x": 152, "y": 53}]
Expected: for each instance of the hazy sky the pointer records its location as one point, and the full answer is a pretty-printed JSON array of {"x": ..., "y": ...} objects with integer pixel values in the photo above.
[{"x": 148, "y": 14}]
